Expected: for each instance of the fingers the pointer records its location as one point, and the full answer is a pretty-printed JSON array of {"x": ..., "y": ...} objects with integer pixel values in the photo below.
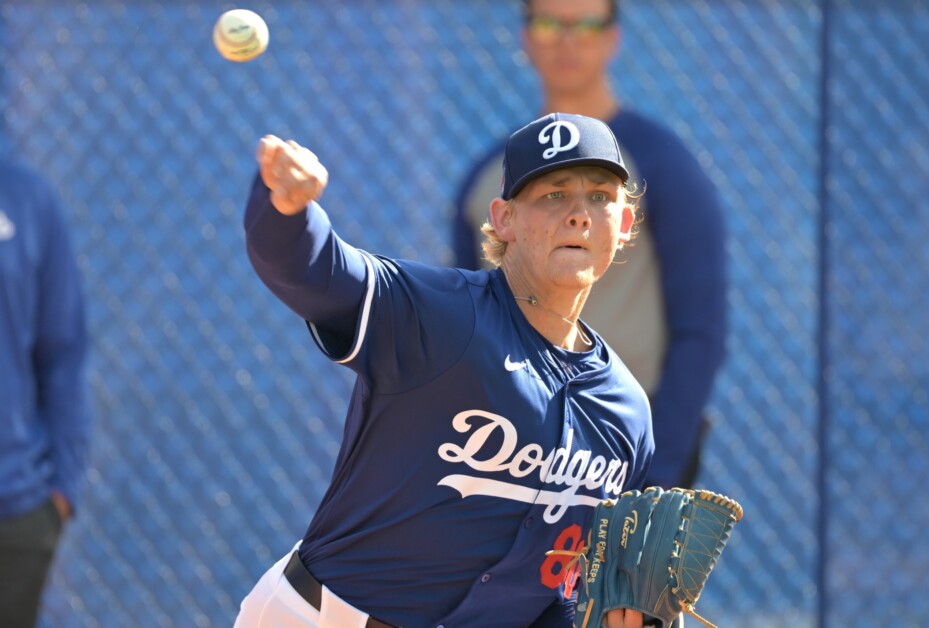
[
  {"x": 298, "y": 149},
  {"x": 292, "y": 173},
  {"x": 624, "y": 618},
  {"x": 267, "y": 155},
  {"x": 266, "y": 146},
  {"x": 61, "y": 505}
]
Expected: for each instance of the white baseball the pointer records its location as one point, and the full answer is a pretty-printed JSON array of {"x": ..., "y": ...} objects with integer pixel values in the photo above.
[{"x": 240, "y": 35}]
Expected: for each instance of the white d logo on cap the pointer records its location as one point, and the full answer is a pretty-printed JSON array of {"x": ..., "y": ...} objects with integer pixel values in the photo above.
[{"x": 555, "y": 138}]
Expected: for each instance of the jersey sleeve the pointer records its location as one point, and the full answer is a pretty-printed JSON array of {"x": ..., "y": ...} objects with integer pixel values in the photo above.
[
  {"x": 688, "y": 229},
  {"x": 464, "y": 237},
  {"x": 472, "y": 209},
  {"x": 305, "y": 264},
  {"x": 60, "y": 351},
  {"x": 394, "y": 323},
  {"x": 420, "y": 322}
]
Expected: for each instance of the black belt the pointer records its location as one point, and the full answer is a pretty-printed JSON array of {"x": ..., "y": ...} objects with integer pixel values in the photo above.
[{"x": 311, "y": 590}]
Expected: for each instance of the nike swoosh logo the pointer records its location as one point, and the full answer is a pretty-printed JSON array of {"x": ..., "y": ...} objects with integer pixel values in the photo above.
[{"x": 513, "y": 366}]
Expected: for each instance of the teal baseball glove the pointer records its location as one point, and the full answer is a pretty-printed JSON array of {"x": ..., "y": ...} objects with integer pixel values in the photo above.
[{"x": 652, "y": 551}]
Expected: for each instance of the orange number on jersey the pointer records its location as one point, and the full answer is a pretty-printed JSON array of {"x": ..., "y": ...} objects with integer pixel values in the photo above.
[{"x": 553, "y": 569}]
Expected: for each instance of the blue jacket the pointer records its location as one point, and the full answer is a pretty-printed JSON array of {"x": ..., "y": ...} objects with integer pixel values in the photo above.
[{"x": 44, "y": 416}]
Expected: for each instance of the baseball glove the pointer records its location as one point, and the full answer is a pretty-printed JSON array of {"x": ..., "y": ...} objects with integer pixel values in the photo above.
[{"x": 652, "y": 551}]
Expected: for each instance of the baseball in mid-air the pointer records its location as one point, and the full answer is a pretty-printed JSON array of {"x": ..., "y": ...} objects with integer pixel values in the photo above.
[{"x": 240, "y": 35}]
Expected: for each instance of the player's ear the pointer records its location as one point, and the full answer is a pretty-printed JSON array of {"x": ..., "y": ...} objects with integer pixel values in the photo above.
[
  {"x": 501, "y": 218},
  {"x": 626, "y": 222}
]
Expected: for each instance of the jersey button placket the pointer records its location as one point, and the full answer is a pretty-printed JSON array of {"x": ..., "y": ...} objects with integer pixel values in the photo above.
[{"x": 485, "y": 578}]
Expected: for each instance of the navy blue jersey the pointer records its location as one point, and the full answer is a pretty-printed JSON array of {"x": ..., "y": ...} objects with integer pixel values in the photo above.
[{"x": 472, "y": 445}]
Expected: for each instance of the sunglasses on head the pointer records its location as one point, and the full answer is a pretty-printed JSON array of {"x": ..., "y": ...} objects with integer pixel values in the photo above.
[{"x": 547, "y": 29}]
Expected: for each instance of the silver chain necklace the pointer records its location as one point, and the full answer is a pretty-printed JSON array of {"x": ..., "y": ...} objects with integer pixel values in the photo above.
[{"x": 534, "y": 302}]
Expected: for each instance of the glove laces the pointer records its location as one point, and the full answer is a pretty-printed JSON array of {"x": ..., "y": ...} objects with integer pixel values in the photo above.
[{"x": 689, "y": 609}]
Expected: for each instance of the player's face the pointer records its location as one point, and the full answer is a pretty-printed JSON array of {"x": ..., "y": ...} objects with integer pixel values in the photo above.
[
  {"x": 570, "y": 42},
  {"x": 566, "y": 226}
]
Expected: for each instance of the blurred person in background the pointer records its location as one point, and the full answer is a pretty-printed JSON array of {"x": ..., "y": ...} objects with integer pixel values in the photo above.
[
  {"x": 44, "y": 415},
  {"x": 664, "y": 315}
]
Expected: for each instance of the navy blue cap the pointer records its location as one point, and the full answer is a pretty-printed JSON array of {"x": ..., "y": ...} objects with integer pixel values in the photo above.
[{"x": 558, "y": 140}]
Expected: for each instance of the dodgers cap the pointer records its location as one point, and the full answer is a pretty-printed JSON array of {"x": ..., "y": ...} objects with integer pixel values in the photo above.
[{"x": 555, "y": 141}]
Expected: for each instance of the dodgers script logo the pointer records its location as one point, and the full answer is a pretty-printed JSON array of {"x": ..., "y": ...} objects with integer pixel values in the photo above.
[
  {"x": 559, "y": 467},
  {"x": 553, "y": 133}
]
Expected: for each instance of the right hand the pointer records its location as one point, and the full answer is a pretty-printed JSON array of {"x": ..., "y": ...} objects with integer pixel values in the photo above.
[
  {"x": 292, "y": 173},
  {"x": 61, "y": 505}
]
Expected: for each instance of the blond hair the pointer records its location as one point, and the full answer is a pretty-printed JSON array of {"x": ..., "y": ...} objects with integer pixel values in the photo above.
[{"x": 493, "y": 245}]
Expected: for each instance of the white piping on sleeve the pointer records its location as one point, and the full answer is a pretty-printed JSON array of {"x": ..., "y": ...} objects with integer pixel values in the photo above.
[{"x": 365, "y": 314}]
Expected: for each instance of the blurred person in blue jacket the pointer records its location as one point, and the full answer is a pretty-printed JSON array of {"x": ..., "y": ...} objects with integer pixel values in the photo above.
[
  {"x": 44, "y": 415},
  {"x": 664, "y": 315}
]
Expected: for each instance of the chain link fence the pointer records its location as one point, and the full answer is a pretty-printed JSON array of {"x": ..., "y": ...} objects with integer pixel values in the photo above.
[{"x": 218, "y": 423}]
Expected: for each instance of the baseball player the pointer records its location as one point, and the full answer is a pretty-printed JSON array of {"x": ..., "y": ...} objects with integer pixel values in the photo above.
[{"x": 487, "y": 420}]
